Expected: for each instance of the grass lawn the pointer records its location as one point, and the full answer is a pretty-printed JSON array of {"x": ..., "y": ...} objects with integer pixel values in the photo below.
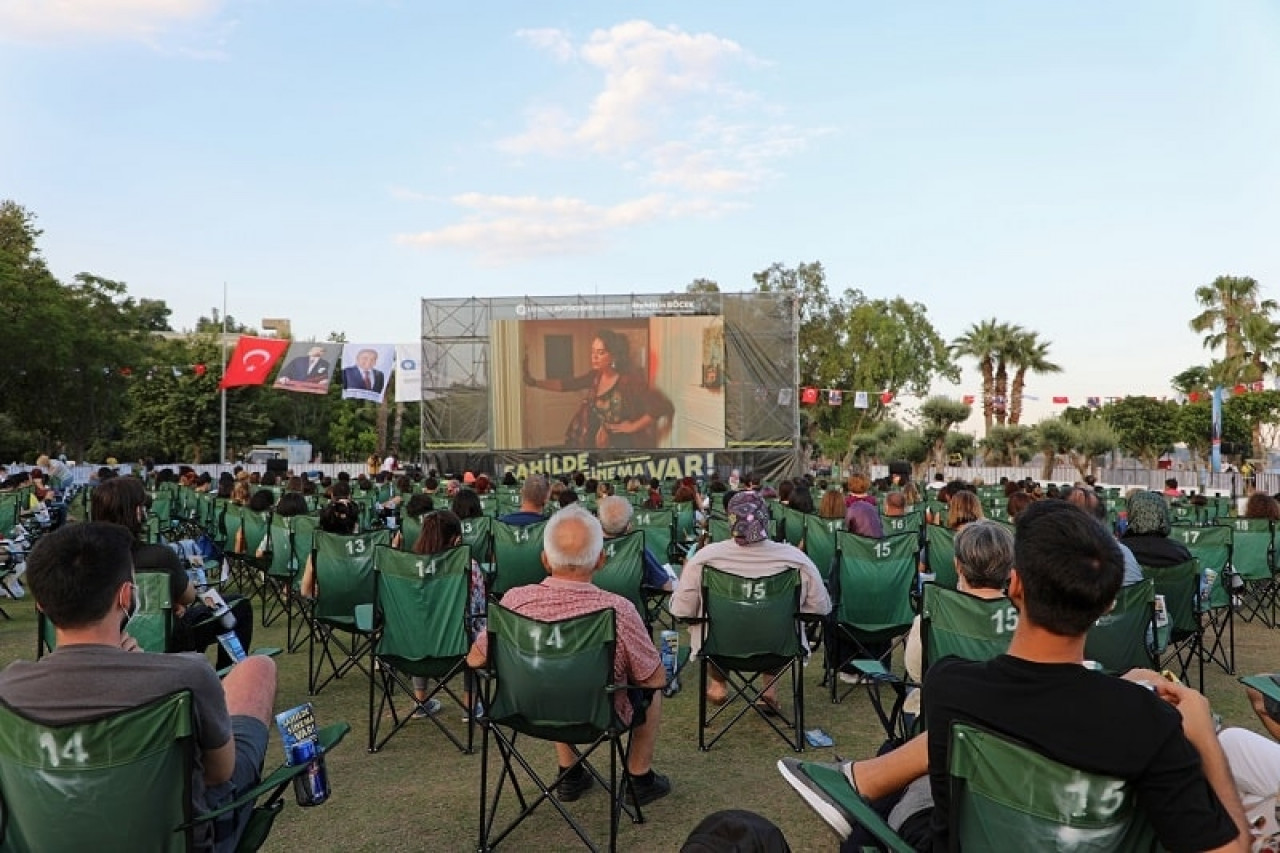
[{"x": 420, "y": 793}]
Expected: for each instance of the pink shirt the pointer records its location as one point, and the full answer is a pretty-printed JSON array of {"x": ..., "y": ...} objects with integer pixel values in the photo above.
[{"x": 635, "y": 658}]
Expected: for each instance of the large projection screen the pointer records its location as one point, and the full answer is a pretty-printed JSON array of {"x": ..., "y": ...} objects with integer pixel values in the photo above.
[{"x": 567, "y": 382}]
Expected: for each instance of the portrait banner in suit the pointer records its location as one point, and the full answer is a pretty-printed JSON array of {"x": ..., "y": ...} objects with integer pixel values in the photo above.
[
  {"x": 308, "y": 367},
  {"x": 365, "y": 370}
]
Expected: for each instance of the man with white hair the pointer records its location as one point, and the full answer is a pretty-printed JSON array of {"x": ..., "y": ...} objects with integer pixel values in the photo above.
[
  {"x": 615, "y": 514},
  {"x": 573, "y": 549}
]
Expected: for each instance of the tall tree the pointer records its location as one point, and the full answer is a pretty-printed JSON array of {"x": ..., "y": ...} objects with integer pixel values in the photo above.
[
  {"x": 987, "y": 342},
  {"x": 1145, "y": 426},
  {"x": 1026, "y": 353},
  {"x": 1235, "y": 318},
  {"x": 938, "y": 415}
]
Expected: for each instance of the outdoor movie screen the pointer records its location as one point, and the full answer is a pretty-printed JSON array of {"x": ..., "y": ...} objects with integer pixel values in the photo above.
[{"x": 643, "y": 383}]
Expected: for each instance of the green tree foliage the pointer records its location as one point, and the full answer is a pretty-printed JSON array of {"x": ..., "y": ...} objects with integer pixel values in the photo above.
[
  {"x": 1258, "y": 411},
  {"x": 1009, "y": 445},
  {"x": 1145, "y": 426},
  {"x": 1193, "y": 380},
  {"x": 1236, "y": 319},
  {"x": 1193, "y": 426},
  {"x": 1026, "y": 353},
  {"x": 938, "y": 415}
]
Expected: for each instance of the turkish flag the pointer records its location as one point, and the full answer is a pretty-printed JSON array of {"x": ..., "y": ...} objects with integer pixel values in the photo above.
[
  {"x": 1194, "y": 396},
  {"x": 967, "y": 399},
  {"x": 808, "y": 396},
  {"x": 1061, "y": 401},
  {"x": 252, "y": 360},
  {"x": 886, "y": 397}
]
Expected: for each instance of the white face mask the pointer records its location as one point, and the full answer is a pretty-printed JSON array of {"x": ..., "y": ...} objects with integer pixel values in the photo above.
[{"x": 132, "y": 608}]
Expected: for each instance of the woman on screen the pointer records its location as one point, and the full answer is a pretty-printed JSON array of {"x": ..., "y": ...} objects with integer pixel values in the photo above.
[{"x": 621, "y": 409}]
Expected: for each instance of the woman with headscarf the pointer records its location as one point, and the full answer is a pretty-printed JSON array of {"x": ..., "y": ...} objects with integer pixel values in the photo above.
[{"x": 1147, "y": 535}]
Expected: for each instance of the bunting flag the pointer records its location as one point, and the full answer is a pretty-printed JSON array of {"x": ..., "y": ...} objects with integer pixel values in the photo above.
[
  {"x": 835, "y": 397},
  {"x": 252, "y": 360},
  {"x": 1061, "y": 401},
  {"x": 1093, "y": 402},
  {"x": 808, "y": 396},
  {"x": 860, "y": 400},
  {"x": 968, "y": 399},
  {"x": 784, "y": 396},
  {"x": 886, "y": 397},
  {"x": 308, "y": 368}
]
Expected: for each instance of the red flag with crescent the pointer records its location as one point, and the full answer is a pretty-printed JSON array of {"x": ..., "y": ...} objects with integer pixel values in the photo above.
[{"x": 252, "y": 361}]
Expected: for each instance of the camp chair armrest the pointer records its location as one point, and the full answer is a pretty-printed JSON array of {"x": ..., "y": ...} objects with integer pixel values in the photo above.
[
  {"x": 268, "y": 651},
  {"x": 329, "y": 737},
  {"x": 1264, "y": 684},
  {"x": 364, "y": 618}
]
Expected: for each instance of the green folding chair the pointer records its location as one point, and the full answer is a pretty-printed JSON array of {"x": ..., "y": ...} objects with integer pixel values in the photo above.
[
  {"x": 280, "y": 567},
  {"x": 1003, "y": 790},
  {"x": 550, "y": 681},
  {"x": 911, "y": 522},
  {"x": 820, "y": 542},
  {"x": 151, "y": 625},
  {"x": 623, "y": 570},
  {"x": 517, "y": 556},
  {"x": 1180, "y": 586},
  {"x": 871, "y": 604},
  {"x": 1212, "y": 546},
  {"x": 940, "y": 554},
  {"x": 1125, "y": 636},
  {"x": 477, "y": 534},
  {"x": 344, "y": 581},
  {"x": 659, "y": 526},
  {"x": 752, "y": 633},
  {"x": 792, "y": 523},
  {"x": 246, "y": 565},
  {"x": 420, "y": 627},
  {"x": 1253, "y": 558},
  {"x": 109, "y": 765}
]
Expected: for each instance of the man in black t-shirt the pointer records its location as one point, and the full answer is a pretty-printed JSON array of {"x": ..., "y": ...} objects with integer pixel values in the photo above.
[{"x": 1067, "y": 571}]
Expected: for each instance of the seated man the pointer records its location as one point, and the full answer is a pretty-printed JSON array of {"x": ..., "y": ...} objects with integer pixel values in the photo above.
[
  {"x": 749, "y": 554},
  {"x": 1067, "y": 571},
  {"x": 615, "y": 515},
  {"x": 573, "y": 548},
  {"x": 82, "y": 578},
  {"x": 533, "y": 502}
]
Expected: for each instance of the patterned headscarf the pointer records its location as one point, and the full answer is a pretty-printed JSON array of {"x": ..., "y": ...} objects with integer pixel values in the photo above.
[
  {"x": 748, "y": 518},
  {"x": 1149, "y": 514}
]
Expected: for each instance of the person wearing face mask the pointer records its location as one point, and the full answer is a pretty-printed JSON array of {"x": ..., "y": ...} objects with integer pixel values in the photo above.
[
  {"x": 82, "y": 578},
  {"x": 123, "y": 501}
]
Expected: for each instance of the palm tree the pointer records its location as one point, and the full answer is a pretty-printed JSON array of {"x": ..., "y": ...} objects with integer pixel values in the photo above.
[
  {"x": 1026, "y": 353},
  {"x": 1232, "y": 315},
  {"x": 982, "y": 341}
]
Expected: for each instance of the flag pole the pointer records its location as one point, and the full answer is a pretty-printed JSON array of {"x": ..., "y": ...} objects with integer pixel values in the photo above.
[{"x": 222, "y": 433}]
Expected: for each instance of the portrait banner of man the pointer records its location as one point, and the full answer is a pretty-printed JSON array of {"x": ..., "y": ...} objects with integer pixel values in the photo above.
[
  {"x": 365, "y": 368},
  {"x": 308, "y": 367}
]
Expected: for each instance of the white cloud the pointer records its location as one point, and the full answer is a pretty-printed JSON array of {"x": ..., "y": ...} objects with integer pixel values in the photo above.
[
  {"x": 555, "y": 42},
  {"x": 137, "y": 19},
  {"x": 502, "y": 228},
  {"x": 670, "y": 116}
]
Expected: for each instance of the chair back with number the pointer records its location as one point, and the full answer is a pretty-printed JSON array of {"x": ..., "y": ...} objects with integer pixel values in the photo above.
[
  {"x": 517, "y": 556},
  {"x": 1003, "y": 790}
]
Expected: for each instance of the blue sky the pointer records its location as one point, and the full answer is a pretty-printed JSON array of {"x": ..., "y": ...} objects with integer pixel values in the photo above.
[{"x": 1075, "y": 168}]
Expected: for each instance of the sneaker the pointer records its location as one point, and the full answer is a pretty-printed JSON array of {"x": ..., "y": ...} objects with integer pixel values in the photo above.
[
  {"x": 645, "y": 789},
  {"x": 573, "y": 786},
  {"x": 823, "y": 786},
  {"x": 430, "y": 709},
  {"x": 852, "y": 677},
  {"x": 479, "y": 712}
]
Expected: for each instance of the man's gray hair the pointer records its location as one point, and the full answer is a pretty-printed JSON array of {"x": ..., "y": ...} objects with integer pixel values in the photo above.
[
  {"x": 615, "y": 515},
  {"x": 535, "y": 490},
  {"x": 984, "y": 553},
  {"x": 583, "y": 558}
]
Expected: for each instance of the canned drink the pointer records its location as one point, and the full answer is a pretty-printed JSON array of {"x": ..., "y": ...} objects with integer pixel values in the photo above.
[
  {"x": 669, "y": 650},
  {"x": 311, "y": 787},
  {"x": 232, "y": 646},
  {"x": 1206, "y": 586}
]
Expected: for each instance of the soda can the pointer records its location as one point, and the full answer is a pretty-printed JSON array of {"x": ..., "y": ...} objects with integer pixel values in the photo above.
[
  {"x": 669, "y": 650},
  {"x": 310, "y": 787},
  {"x": 232, "y": 646}
]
